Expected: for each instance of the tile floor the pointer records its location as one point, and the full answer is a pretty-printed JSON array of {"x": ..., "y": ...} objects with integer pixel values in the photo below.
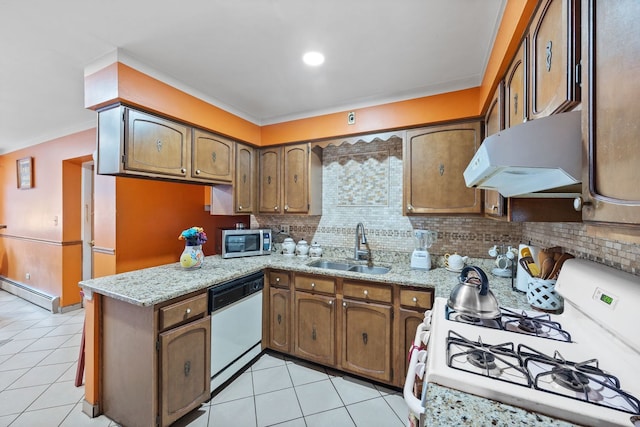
[{"x": 38, "y": 360}]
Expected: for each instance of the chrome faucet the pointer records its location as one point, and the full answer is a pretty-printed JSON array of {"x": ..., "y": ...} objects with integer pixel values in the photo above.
[{"x": 357, "y": 252}]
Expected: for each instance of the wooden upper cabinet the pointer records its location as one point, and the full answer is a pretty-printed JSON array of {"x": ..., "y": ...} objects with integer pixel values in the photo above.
[
  {"x": 611, "y": 47},
  {"x": 269, "y": 181},
  {"x": 213, "y": 157},
  {"x": 245, "y": 185},
  {"x": 155, "y": 145},
  {"x": 296, "y": 178},
  {"x": 515, "y": 88},
  {"x": 554, "y": 39},
  {"x": 435, "y": 159},
  {"x": 494, "y": 205}
]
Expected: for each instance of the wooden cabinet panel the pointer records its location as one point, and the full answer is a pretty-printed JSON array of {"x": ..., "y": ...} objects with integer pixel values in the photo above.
[
  {"x": 554, "y": 55},
  {"x": 436, "y": 158},
  {"x": 296, "y": 179},
  {"x": 409, "y": 321},
  {"x": 494, "y": 205},
  {"x": 366, "y": 339},
  {"x": 416, "y": 299},
  {"x": 322, "y": 284},
  {"x": 155, "y": 145},
  {"x": 213, "y": 157},
  {"x": 515, "y": 88},
  {"x": 367, "y": 291},
  {"x": 245, "y": 185},
  {"x": 315, "y": 328},
  {"x": 269, "y": 185},
  {"x": 185, "y": 373},
  {"x": 611, "y": 46},
  {"x": 280, "y": 319},
  {"x": 279, "y": 279}
]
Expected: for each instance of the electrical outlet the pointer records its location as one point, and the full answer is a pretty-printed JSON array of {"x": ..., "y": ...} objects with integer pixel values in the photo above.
[
  {"x": 27, "y": 276},
  {"x": 284, "y": 229},
  {"x": 351, "y": 118}
]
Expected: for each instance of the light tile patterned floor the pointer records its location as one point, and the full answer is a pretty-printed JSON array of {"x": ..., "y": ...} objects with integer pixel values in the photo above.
[{"x": 38, "y": 360}]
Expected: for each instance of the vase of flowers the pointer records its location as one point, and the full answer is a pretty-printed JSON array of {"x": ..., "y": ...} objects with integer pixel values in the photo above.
[{"x": 192, "y": 256}]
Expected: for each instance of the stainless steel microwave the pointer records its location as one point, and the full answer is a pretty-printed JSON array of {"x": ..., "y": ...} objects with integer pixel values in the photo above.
[{"x": 234, "y": 243}]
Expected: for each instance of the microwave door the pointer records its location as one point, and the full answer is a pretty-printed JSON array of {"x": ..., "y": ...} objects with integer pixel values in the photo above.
[
  {"x": 252, "y": 242},
  {"x": 235, "y": 244}
]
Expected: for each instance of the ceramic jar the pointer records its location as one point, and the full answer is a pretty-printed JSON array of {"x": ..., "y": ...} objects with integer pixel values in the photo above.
[
  {"x": 302, "y": 248},
  {"x": 288, "y": 247},
  {"x": 315, "y": 251},
  {"x": 192, "y": 257}
]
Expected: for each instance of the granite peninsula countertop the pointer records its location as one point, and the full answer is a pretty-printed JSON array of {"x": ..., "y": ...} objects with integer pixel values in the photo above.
[{"x": 151, "y": 286}]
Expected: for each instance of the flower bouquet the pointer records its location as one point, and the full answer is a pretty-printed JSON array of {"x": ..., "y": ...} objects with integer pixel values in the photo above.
[{"x": 192, "y": 256}]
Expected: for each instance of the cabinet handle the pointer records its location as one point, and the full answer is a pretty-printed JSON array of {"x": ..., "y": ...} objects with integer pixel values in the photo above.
[
  {"x": 197, "y": 171},
  {"x": 269, "y": 179},
  {"x": 515, "y": 103},
  {"x": 187, "y": 368},
  {"x": 159, "y": 145},
  {"x": 549, "y": 55},
  {"x": 365, "y": 338},
  {"x": 213, "y": 156},
  {"x": 494, "y": 207},
  {"x": 244, "y": 177},
  {"x": 365, "y": 292},
  {"x": 313, "y": 333},
  {"x": 279, "y": 319},
  {"x": 414, "y": 299},
  {"x": 441, "y": 169},
  {"x": 295, "y": 178}
]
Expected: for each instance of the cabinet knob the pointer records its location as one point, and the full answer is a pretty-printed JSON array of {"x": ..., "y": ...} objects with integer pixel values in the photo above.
[
  {"x": 313, "y": 285},
  {"x": 579, "y": 203},
  {"x": 240, "y": 207},
  {"x": 275, "y": 208},
  {"x": 277, "y": 279},
  {"x": 414, "y": 299},
  {"x": 344, "y": 304},
  {"x": 409, "y": 207},
  {"x": 330, "y": 302},
  {"x": 183, "y": 170},
  {"x": 365, "y": 292},
  {"x": 494, "y": 207},
  {"x": 197, "y": 171},
  {"x": 188, "y": 311},
  {"x": 286, "y": 207}
]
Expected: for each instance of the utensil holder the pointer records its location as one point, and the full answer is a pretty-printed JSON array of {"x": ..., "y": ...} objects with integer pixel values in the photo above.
[{"x": 542, "y": 294}]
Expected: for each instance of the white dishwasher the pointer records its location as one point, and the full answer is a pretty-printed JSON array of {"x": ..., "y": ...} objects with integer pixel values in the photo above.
[{"x": 236, "y": 326}]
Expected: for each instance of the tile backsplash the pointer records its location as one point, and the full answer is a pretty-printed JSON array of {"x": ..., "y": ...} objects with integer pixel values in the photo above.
[{"x": 362, "y": 182}]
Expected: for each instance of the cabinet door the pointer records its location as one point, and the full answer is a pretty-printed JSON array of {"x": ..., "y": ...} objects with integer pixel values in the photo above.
[
  {"x": 314, "y": 328},
  {"x": 409, "y": 321},
  {"x": 296, "y": 178},
  {"x": 366, "y": 339},
  {"x": 185, "y": 374},
  {"x": 269, "y": 180},
  {"x": 436, "y": 158},
  {"x": 245, "y": 179},
  {"x": 612, "y": 46},
  {"x": 515, "y": 88},
  {"x": 494, "y": 205},
  {"x": 279, "y": 336},
  {"x": 554, "y": 55},
  {"x": 212, "y": 157},
  {"x": 155, "y": 145}
]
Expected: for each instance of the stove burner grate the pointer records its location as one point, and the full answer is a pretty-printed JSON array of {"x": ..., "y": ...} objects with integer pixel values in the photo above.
[
  {"x": 540, "y": 325},
  {"x": 481, "y": 359},
  {"x": 570, "y": 379}
]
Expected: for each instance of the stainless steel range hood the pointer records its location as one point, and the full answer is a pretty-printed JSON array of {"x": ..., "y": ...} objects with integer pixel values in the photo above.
[{"x": 538, "y": 155}]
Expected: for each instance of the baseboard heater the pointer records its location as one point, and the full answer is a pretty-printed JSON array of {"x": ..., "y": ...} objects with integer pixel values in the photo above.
[{"x": 46, "y": 301}]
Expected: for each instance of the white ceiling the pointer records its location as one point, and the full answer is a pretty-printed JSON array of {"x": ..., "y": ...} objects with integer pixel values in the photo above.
[{"x": 242, "y": 55}]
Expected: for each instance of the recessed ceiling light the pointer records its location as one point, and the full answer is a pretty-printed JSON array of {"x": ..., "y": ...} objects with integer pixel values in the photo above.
[{"x": 313, "y": 58}]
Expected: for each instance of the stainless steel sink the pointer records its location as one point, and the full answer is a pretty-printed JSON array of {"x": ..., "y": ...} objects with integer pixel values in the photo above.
[
  {"x": 369, "y": 270},
  {"x": 344, "y": 266}
]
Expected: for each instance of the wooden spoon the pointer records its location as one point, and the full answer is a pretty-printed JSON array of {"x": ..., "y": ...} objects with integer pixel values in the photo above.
[
  {"x": 543, "y": 256},
  {"x": 546, "y": 268},
  {"x": 553, "y": 275}
]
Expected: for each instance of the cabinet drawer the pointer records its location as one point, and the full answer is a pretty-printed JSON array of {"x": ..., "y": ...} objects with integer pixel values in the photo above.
[
  {"x": 316, "y": 284},
  {"x": 278, "y": 279},
  {"x": 417, "y": 299},
  {"x": 184, "y": 310},
  {"x": 367, "y": 291}
]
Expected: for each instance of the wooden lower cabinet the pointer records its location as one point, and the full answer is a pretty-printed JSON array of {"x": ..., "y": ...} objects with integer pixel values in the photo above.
[
  {"x": 409, "y": 321},
  {"x": 279, "y": 319},
  {"x": 185, "y": 361},
  {"x": 155, "y": 360},
  {"x": 366, "y": 339},
  {"x": 315, "y": 326}
]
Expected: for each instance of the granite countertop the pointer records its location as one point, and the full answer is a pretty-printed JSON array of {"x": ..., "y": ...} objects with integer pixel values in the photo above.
[
  {"x": 151, "y": 286},
  {"x": 155, "y": 285}
]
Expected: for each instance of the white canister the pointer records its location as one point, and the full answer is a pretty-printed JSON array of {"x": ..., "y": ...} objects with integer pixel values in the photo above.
[
  {"x": 288, "y": 247},
  {"x": 315, "y": 251},
  {"x": 302, "y": 248}
]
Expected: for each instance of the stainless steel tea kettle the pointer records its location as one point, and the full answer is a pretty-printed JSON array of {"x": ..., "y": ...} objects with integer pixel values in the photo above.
[{"x": 472, "y": 296}]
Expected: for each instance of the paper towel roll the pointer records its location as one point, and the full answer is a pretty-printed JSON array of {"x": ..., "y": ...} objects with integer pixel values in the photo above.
[{"x": 522, "y": 282}]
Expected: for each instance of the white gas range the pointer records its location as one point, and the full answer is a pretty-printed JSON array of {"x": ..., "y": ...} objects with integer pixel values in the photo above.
[{"x": 581, "y": 366}]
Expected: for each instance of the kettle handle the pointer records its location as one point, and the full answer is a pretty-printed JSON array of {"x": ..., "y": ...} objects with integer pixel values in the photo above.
[{"x": 484, "y": 285}]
